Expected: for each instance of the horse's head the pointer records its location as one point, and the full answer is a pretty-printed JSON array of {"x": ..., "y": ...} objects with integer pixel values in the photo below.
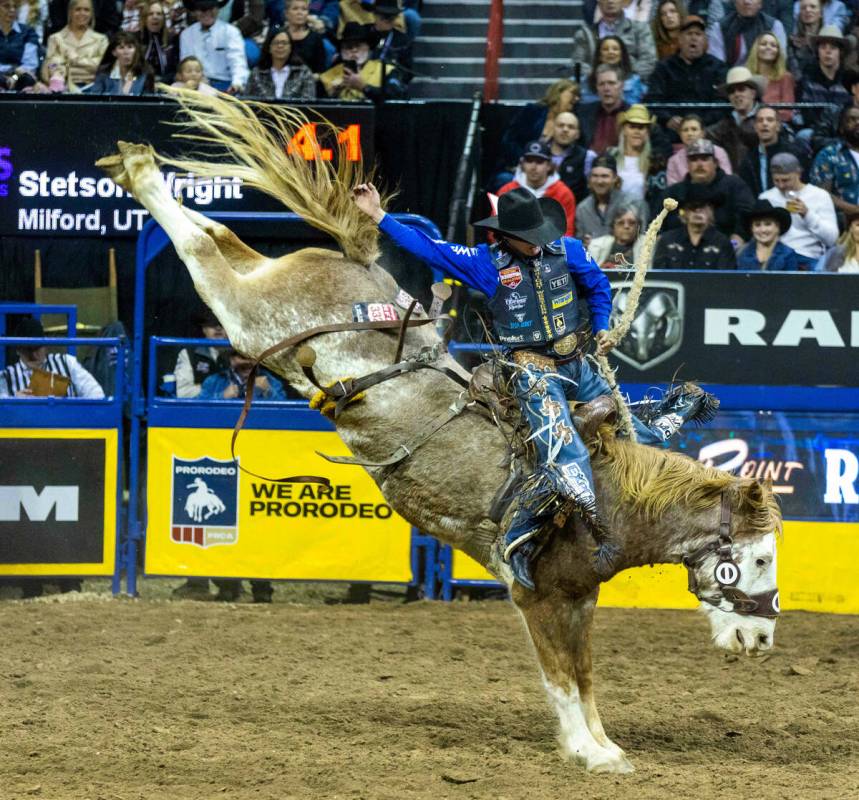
[{"x": 734, "y": 574}]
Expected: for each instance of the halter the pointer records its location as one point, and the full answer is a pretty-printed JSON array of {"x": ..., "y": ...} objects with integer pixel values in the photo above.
[{"x": 727, "y": 574}]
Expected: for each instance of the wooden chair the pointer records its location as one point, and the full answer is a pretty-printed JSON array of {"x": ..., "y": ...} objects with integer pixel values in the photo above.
[{"x": 97, "y": 305}]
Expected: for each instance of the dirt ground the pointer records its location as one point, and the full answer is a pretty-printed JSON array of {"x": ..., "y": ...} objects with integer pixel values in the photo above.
[{"x": 127, "y": 699}]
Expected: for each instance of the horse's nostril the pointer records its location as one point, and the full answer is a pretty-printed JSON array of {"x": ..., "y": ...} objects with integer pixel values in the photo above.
[
  {"x": 740, "y": 637},
  {"x": 763, "y": 639}
]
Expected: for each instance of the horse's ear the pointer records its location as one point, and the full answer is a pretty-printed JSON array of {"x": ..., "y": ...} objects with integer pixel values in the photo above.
[
  {"x": 768, "y": 486},
  {"x": 754, "y": 492}
]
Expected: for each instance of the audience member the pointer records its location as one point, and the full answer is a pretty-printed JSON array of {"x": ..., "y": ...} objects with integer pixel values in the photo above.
[
  {"x": 697, "y": 243},
  {"x": 825, "y": 131},
  {"x": 361, "y": 13},
  {"x": 358, "y": 77},
  {"x": 623, "y": 244},
  {"x": 534, "y": 121},
  {"x": 801, "y": 51},
  {"x": 599, "y": 120},
  {"x": 640, "y": 172},
  {"x": 736, "y": 131},
  {"x": 814, "y": 225},
  {"x": 773, "y": 139},
  {"x": 765, "y": 251},
  {"x": 194, "y": 365},
  {"x": 189, "y": 75},
  {"x": 76, "y": 50},
  {"x": 15, "y": 379},
  {"x": 34, "y": 14},
  {"x": 665, "y": 27},
  {"x": 105, "y": 16},
  {"x": 833, "y": 12},
  {"x": 690, "y": 75},
  {"x": 691, "y": 130},
  {"x": 179, "y": 17},
  {"x": 835, "y": 166},
  {"x": 571, "y": 160},
  {"x": 123, "y": 70},
  {"x": 767, "y": 59},
  {"x": 160, "y": 48},
  {"x": 732, "y": 198},
  {"x": 218, "y": 46},
  {"x": 392, "y": 47},
  {"x": 844, "y": 257},
  {"x": 132, "y": 12},
  {"x": 636, "y": 36},
  {"x": 611, "y": 50},
  {"x": 822, "y": 81},
  {"x": 231, "y": 383},
  {"x": 732, "y": 37},
  {"x": 306, "y": 43},
  {"x": 537, "y": 174},
  {"x": 596, "y": 212},
  {"x": 19, "y": 49},
  {"x": 278, "y": 76}
]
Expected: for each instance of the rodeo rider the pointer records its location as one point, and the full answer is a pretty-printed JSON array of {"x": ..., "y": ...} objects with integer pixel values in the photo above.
[{"x": 533, "y": 277}]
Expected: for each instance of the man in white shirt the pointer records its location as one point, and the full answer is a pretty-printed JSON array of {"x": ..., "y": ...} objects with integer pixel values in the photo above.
[
  {"x": 814, "y": 227},
  {"x": 219, "y": 46}
]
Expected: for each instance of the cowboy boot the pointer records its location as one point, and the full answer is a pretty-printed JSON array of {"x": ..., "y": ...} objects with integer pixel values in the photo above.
[
  {"x": 518, "y": 547},
  {"x": 687, "y": 402}
]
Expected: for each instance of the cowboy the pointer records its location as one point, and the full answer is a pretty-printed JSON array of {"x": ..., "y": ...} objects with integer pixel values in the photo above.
[
  {"x": 736, "y": 131},
  {"x": 533, "y": 277}
]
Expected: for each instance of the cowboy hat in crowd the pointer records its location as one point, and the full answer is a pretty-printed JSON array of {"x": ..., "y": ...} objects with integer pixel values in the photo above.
[{"x": 742, "y": 76}]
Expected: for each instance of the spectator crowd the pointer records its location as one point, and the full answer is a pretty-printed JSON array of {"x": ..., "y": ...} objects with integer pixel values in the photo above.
[
  {"x": 272, "y": 49},
  {"x": 744, "y": 111}
]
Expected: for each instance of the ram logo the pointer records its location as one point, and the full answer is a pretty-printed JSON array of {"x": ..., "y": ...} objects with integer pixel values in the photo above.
[
  {"x": 656, "y": 332},
  {"x": 62, "y": 500}
]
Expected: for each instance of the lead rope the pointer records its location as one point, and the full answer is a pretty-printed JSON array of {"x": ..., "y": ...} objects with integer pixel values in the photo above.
[{"x": 619, "y": 331}]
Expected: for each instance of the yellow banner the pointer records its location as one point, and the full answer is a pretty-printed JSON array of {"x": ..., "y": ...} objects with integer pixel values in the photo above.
[
  {"x": 207, "y": 518},
  {"x": 817, "y": 568},
  {"x": 57, "y": 501}
]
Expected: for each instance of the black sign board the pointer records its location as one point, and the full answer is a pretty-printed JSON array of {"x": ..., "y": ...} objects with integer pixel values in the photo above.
[{"x": 52, "y": 501}]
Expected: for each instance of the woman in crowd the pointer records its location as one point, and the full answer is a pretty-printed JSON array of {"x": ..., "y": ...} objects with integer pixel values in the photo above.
[
  {"x": 623, "y": 243},
  {"x": 123, "y": 70},
  {"x": 844, "y": 257},
  {"x": 765, "y": 251},
  {"x": 800, "y": 50},
  {"x": 534, "y": 121},
  {"x": 160, "y": 50},
  {"x": 76, "y": 50},
  {"x": 666, "y": 27},
  {"x": 19, "y": 49},
  {"x": 612, "y": 50},
  {"x": 691, "y": 130},
  {"x": 306, "y": 43},
  {"x": 278, "y": 75},
  {"x": 189, "y": 75},
  {"x": 767, "y": 59},
  {"x": 633, "y": 151},
  {"x": 34, "y": 14}
]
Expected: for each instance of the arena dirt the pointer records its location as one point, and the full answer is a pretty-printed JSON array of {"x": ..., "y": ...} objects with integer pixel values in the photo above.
[{"x": 134, "y": 700}]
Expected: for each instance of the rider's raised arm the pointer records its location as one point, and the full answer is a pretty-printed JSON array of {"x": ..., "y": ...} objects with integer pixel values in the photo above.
[
  {"x": 472, "y": 265},
  {"x": 592, "y": 282}
]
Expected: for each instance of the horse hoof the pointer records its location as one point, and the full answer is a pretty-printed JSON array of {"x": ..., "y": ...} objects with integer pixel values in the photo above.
[{"x": 611, "y": 764}]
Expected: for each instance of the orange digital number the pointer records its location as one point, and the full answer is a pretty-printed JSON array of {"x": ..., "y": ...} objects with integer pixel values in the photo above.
[{"x": 305, "y": 143}]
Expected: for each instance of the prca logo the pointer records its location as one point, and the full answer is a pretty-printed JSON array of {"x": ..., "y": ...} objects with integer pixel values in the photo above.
[{"x": 205, "y": 502}]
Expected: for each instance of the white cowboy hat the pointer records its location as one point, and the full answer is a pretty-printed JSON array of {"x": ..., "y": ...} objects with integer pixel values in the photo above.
[
  {"x": 743, "y": 75},
  {"x": 832, "y": 33}
]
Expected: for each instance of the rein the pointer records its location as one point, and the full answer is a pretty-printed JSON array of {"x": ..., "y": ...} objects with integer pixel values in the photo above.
[{"x": 727, "y": 573}]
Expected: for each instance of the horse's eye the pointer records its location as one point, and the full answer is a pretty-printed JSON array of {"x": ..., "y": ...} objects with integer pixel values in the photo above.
[{"x": 761, "y": 562}]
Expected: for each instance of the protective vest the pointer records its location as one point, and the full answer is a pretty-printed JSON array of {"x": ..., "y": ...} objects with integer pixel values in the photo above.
[{"x": 536, "y": 301}]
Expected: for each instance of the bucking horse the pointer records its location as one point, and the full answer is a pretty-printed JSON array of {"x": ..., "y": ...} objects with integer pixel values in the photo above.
[{"x": 662, "y": 507}]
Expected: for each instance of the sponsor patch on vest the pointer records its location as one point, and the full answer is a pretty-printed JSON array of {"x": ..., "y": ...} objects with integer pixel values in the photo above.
[
  {"x": 558, "y": 322},
  {"x": 525, "y": 324},
  {"x": 374, "y": 312},
  {"x": 515, "y": 301},
  {"x": 562, "y": 300},
  {"x": 510, "y": 277},
  {"x": 559, "y": 283}
]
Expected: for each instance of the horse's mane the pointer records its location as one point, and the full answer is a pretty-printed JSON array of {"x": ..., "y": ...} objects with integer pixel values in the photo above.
[
  {"x": 248, "y": 140},
  {"x": 653, "y": 481}
]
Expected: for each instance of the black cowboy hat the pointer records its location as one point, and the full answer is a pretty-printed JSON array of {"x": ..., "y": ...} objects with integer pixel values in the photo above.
[
  {"x": 700, "y": 194},
  {"x": 355, "y": 32},
  {"x": 523, "y": 216},
  {"x": 29, "y": 328},
  {"x": 387, "y": 8},
  {"x": 764, "y": 209}
]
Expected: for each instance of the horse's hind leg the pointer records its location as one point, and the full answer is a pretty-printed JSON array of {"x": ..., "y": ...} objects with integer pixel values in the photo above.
[
  {"x": 554, "y": 623},
  {"x": 239, "y": 256}
]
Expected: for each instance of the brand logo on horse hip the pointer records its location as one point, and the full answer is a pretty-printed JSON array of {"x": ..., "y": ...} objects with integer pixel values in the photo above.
[
  {"x": 205, "y": 502},
  {"x": 656, "y": 332}
]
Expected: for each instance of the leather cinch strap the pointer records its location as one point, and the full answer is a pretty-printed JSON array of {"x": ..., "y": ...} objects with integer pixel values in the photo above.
[{"x": 292, "y": 341}]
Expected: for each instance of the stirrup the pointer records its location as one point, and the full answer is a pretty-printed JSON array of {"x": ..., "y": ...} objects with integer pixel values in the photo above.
[{"x": 518, "y": 542}]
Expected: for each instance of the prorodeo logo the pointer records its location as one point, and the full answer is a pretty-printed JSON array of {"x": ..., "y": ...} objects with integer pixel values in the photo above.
[
  {"x": 656, "y": 332},
  {"x": 205, "y": 502}
]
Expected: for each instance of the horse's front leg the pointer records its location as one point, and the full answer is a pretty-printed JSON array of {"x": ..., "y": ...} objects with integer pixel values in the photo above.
[{"x": 556, "y": 625}]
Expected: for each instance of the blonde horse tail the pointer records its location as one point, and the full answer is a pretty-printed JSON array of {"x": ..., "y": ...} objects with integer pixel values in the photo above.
[
  {"x": 620, "y": 330},
  {"x": 250, "y": 141}
]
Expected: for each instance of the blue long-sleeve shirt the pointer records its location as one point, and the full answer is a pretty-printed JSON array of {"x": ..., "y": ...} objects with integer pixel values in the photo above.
[{"x": 474, "y": 267}]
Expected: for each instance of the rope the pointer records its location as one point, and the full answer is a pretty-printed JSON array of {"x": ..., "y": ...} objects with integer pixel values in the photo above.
[{"x": 619, "y": 330}]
